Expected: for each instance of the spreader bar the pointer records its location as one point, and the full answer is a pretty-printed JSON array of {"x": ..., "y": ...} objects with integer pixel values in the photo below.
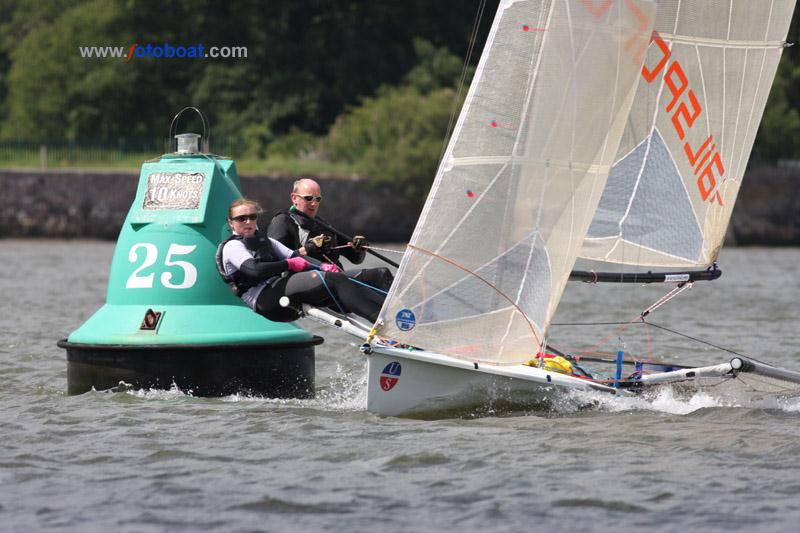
[{"x": 590, "y": 276}]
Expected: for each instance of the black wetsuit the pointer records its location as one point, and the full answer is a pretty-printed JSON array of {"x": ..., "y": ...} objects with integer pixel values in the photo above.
[
  {"x": 293, "y": 231},
  {"x": 257, "y": 268}
]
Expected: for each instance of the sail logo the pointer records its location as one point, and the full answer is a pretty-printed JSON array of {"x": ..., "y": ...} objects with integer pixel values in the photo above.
[
  {"x": 634, "y": 45},
  {"x": 405, "y": 320},
  {"x": 705, "y": 160},
  {"x": 390, "y": 376}
]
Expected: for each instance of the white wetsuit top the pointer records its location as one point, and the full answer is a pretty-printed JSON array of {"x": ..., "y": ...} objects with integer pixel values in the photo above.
[{"x": 234, "y": 253}]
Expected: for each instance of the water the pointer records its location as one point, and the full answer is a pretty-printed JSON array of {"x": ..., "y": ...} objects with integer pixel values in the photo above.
[{"x": 162, "y": 460}]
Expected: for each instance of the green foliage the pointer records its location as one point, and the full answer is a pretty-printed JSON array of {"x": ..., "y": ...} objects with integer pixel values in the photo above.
[
  {"x": 398, "y": 134},
  {"x": 295, "y": 144},
  {"x": 307, "y": 60},
  {"x": 779, "y": 133},
  {"x": 395, "y": 136},
  {"x": 438, "y": 68},
  {"x": 56, "y": 94},
  {"x": 255, "y": 139}
]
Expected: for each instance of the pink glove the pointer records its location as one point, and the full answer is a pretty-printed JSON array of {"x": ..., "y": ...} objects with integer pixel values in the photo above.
[
  {"x": 297, "y": 264},
  {"x": 329, "y": 267}
]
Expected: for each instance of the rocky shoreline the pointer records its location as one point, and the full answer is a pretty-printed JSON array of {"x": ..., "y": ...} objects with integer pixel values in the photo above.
[{"x": 93, "y": 204}]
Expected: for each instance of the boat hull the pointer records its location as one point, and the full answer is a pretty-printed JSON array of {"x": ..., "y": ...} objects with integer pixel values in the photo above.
[
  {"x": 422, "y": 384},
  {"x": 271, "y": 370}
]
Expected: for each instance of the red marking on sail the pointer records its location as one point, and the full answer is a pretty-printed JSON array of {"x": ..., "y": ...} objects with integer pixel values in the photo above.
[
  {"x": 496, "y": 124},
  {"x": 644, "y": 23},
  {"x": 597, "y": 10},
  {"x": 710, "y": 168}
]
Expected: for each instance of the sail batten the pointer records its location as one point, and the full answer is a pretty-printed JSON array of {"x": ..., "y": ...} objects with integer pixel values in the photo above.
[
  {"x": 571, "y": 165},
  {"x": 520, "y": 179},
  {"x": 722, "y": 43}
]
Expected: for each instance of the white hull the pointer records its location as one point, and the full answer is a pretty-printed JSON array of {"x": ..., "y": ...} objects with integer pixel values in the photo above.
[{"x": 425, "y": 383}]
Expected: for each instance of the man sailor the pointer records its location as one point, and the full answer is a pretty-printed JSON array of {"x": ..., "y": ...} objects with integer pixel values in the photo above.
[{"x": 300, "y": 228}]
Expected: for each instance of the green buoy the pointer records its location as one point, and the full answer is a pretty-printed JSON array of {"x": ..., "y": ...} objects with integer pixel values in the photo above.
[{"x": 168, "y": 317}]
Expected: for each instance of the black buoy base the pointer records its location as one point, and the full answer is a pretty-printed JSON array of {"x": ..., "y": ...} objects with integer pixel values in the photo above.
[{"x": 270, "y": 370}]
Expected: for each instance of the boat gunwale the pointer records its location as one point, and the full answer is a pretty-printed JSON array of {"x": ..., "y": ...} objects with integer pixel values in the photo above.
[{"x": 515, "y": 371}]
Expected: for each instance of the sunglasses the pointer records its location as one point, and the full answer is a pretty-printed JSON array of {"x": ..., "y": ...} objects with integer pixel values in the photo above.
[
  {"x": 309, "y": 198},
  {"x": 242, "y": 218}
]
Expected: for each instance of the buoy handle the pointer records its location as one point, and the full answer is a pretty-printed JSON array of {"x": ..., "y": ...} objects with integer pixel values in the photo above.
[{"x": 205, "y": 142}]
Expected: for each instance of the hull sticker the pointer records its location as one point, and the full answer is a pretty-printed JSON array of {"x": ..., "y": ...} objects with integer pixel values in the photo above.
[{"x": 390, "y": 376}]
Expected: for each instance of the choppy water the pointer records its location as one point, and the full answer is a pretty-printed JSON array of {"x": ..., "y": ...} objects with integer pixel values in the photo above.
[{"x": 161, "y": 460}]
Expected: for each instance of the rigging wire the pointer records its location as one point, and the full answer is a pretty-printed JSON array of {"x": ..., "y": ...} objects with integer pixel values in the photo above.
[
  {"x": 386, "y": 249},
  {"x": 472, "y": 38},
  {"x": 484, "y": 280},
  {"x": 639, "y": 319},
  {"x": 343, "y": 246},
  {"x": 330, "y": 293},
  {"x": 645, "y": 323},
  {"x": 367, "y": 285},
  {"x": 650, "y": 350},
  {"x": 701, "y": 341},
  {"x": 667, "y": 297},
  {"x": 329, "y": 260}
]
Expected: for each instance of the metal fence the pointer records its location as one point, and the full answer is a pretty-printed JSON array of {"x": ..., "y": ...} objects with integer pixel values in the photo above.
[{"x": 112, "y": 153}]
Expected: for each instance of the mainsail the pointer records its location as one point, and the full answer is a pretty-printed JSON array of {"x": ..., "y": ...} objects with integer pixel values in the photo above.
[
  {"x": 521, "y": 178},
  {"x": 701, "y": 94}
]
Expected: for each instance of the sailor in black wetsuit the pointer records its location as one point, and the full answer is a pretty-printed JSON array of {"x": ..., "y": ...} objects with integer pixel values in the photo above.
[
  {"x": 301, "y": 232},
  {"x": 262, "y": 270}
]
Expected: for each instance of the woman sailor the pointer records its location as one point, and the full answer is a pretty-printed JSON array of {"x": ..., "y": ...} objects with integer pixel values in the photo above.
[{"x": 262, "y": 270}]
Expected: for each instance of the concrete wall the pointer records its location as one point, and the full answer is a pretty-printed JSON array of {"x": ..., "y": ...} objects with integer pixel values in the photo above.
[
  {"x": 768, "y": 208},
  {"x": 83, "y": 204}
]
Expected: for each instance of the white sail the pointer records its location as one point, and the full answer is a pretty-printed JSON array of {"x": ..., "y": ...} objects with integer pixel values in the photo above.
[
  {"x": 703, "y": 88},
  {"x": 521, "y": 178}
]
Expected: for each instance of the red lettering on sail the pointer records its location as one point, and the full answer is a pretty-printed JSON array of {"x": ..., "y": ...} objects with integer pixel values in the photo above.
[
  {"x": 644, "y": 23},
  {"x": 597, "y": 10},
  {"x": 693, "y": 157},
  {"x": 707, "y": 182},
  {"x": 687, "y": 109},
  {"x": 675, "y": 73},
  {"x": 650, "y": 75},
  {"x": 683, "y": 111}
]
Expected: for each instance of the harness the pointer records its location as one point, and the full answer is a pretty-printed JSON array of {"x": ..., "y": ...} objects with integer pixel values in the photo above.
[
  {"x": 302, "y": 233},
  {"x": 262, "y": 250},
  {"x": 305, "y": 226}
]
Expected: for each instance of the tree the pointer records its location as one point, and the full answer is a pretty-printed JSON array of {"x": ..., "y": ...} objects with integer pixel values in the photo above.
[
  {"x": 307, "y": 60},
  {"x": 399, "y": 134}
]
